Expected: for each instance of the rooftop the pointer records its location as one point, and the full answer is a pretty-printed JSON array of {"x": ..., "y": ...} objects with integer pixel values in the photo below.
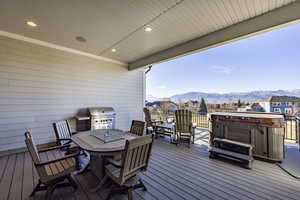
[{"x": 282, "y": 99}]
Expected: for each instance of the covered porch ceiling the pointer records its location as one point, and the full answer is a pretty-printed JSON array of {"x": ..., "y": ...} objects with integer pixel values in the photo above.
[{"x": 178, "y": 27}]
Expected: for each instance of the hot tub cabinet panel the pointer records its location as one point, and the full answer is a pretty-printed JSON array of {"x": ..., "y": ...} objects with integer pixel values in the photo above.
[{"x": 265, "y": 132}]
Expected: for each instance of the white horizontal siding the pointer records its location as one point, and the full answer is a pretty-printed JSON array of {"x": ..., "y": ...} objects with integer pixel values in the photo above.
[{"x": 40, "y": 85}]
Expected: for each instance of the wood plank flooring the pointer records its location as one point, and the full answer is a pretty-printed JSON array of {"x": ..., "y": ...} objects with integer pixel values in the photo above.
[{"x": 175, "y": 172}]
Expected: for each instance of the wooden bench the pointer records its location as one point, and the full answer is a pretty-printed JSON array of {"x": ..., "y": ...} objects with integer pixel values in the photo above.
[{"x": 237, "y": 150}]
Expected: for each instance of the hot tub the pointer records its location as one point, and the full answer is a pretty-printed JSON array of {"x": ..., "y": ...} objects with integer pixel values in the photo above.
[{"x": 264, "y": 131}]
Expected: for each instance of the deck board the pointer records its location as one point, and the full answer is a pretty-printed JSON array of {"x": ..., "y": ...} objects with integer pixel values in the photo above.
[
  {"x": 3, "y": 163},
  {"x": 227, "y": 174},
  {"x": 28, "y": 176},
  {"x": 7, "y": 177},
  {"x": 175, "y": 172},
  {"x": 17, "y": 180},
  {"x": 260, "y": 183}
]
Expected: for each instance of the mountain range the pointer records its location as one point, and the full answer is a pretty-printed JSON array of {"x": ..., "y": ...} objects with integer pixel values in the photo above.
[{"x": 253, "y": 96}]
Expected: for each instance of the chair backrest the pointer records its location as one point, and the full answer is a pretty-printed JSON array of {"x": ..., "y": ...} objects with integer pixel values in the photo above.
[
  {"x": 183, "y": 121},
  {"x": 147, "y": 117},
  {"x": 62, "y": 130},
  {"x": 137, "y": 127},
  {"x": 32, "y": 148},
  {"x": 136, "y": 156}
]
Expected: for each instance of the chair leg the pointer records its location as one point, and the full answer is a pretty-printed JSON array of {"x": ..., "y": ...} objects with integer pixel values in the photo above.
[
  {"x": 194, "y": 139},
  {"x": 140, "y": 185},
  {"x": 37, "y": 188},
  {"x": 49, "y": 192},
  {"x": 143, "y": 185},
  {"x": 72, "y": 182},
  {"x": 130, "y": 194}
]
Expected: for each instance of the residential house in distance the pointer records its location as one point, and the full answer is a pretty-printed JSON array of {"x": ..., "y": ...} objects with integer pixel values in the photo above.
[
  {"x": 192, "y": 105},
  {"x": 281, "y": 104},
  {"x": 254, "y": 107}
]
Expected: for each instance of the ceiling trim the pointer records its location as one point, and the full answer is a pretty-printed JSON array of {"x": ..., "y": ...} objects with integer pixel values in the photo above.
[
  {"x": 274, "y": 19},
  {"x": 59, "y": 47}
]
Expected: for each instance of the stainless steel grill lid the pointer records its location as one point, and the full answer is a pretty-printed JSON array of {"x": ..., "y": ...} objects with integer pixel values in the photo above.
[
  {"x": 101, "y": 110},
  {"x": 102, "y": 118}
]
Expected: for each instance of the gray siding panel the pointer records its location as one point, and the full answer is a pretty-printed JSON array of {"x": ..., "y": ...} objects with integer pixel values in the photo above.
[{"x": 39, "y": 85}]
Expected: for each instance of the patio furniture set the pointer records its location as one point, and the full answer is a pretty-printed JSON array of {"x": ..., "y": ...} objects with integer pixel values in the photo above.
[{"x": 112, "y": 154}]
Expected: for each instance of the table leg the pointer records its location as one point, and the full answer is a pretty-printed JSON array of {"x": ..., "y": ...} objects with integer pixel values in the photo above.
[{"x": 97, "y": 165}]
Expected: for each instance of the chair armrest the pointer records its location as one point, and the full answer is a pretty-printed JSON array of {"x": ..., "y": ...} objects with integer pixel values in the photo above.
[
  {"x": 193, "y": 128},
  {"x": 68, "y": 140},
  {"x": 53, "y": 148},
  {"x": 115, "y": 163},
  {"x": 58, "y": 159},
  {"x": 157, "y": 121},
  {"x": 64, "y": 139},
  {"x": 194, "y": 125}
]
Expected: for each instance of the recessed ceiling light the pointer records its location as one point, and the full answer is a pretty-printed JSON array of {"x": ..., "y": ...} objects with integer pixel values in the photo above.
[
  {"x": 148, "y": 29},
  {"x": 80, "y": 39},
  {"x": 31, "y": 23},
  {"x": 114, "y": 50}
]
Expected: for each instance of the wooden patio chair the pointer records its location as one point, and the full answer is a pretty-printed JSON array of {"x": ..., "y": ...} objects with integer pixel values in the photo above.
[
  {"x": 52, "y": 173},
  {"x": 124, "y": 174},
  {"x": 150, "y": 124},
  {"x": 137, "y": 127},
  {"x": 63, "y": 135},
  {"x": 184, "y": 128}
]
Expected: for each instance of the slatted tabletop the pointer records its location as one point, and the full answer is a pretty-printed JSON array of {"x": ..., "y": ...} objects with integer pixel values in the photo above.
[{"x": 87, "y": 141}]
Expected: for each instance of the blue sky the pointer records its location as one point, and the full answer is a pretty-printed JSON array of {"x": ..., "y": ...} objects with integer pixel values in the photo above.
[{"x": 269, "y": 61}]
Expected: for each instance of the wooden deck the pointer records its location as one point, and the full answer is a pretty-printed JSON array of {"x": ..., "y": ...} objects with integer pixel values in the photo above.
[{"x": 174, "y": 173}]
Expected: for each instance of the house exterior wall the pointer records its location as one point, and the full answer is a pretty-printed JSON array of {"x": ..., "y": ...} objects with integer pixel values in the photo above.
[
  {"x": 266, "y": 106},
  {"x": 283, "y": 107},
  {"x": 39, "y": 85}
]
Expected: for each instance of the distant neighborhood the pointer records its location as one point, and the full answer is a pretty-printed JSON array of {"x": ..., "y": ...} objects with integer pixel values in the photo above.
[{"x": 289, "y": 105}]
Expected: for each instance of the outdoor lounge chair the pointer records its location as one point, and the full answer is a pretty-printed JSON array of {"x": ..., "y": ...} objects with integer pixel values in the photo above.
[
  {"x": 150, "y": 124},
  {"x": 124, "y": 173},
  {"x": 52, "y": 173},
  {"x": 137, "y": 127},
  {"x": 184, "y": 128}
]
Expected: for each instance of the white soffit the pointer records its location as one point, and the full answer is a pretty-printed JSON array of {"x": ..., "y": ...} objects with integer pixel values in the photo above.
[
  {"x": 119, "y": 24},
  {"x": 55, "y": 46},
  {"x": 277, "y": 18}
]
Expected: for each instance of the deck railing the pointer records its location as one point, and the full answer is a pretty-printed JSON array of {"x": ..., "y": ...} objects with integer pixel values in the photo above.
[
  {"x": 292, "y": 128},
  {"x": 292, "y": 123},
  {"x": 200, "y": 119}
]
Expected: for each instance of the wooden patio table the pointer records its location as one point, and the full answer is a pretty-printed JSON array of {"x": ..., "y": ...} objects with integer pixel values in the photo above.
[
  {"x": 166, "y": 129},
  {"x": 98, "y": 149}
]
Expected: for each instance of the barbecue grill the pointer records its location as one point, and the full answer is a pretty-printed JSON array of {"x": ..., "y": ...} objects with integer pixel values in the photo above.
[{"x": 102, "y": 118}]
